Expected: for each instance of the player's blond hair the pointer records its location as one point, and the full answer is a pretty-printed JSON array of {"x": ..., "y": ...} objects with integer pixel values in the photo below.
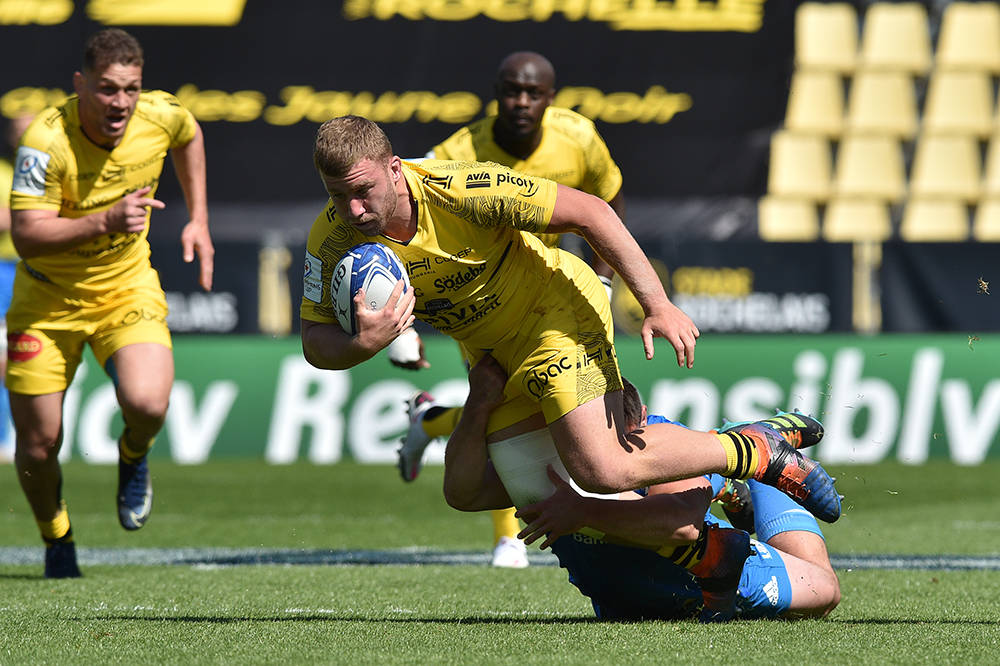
[
  {"x": 111, "y": 46},
  {"x": 343, "y": 142}
]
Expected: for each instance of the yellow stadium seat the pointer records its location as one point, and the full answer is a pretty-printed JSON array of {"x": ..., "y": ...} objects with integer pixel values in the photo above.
[
  {"x": 826, "y": 36},
  {"x": 785, "y": 219},
  {"x": 852, "y": 220},
  {"x": 816, "y": 103},
  {"x": 986, "y": 223},
  {"x": 801, "y": 165},
  {"x": 882, "y": 101},
  {"x": 969, "y": 36},
  {"x": 959, "y": 101},
  {"x": 946, "y": 165},
  {"x": 870, "y": 165},
  {"x": 934, "y": 220},
  {"x": 896, "y": 36},
  {"x": 991, "y": 172}
]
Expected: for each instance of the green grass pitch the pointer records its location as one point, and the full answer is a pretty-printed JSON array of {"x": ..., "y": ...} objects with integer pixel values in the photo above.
[{"x": 275, "y": 614}]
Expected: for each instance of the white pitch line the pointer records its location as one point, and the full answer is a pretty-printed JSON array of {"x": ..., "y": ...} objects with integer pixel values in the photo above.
[{"x": 410, "y": 556}]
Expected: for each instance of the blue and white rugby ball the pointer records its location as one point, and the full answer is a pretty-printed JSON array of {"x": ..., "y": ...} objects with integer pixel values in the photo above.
[{"x": 369, "y": 266}]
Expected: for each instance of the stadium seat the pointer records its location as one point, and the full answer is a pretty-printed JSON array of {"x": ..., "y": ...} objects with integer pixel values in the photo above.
[
  {"x": 882, "y": 101},
  {"x": 970, "y": 36},
  {"x": 787, "y": 219},
  {"x": 826, "y": 36},
  {"x": 959, "y": 101},
  {"x": 986, "y": 223},
  {"x": 801, "y": 165},
  {"x": 816, "y": 103},
  {"x": 896, "y": 36},
  {"x": 991, "y": 172},
  {"x": 870, "y": 165},
  {"x": 852, "y": 220},
  {"x": 929, "y": 219},
  {"x": 946, "y": 165}
]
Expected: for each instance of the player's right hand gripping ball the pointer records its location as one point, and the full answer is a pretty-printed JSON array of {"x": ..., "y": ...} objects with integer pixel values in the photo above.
[{"x": 369, "y": 266}]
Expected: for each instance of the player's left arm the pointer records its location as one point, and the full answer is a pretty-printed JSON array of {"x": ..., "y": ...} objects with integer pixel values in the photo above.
[
  {"x": 606, "y": 233},
  {"x": 670, "y": 515},
  {"x": 601, "y": 267},
  {"x": 191, "y": 167}
]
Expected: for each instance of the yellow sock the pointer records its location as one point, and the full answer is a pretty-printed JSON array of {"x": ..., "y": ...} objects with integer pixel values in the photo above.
[
  {"x": 58, "y": 527},
  {"x": 504, "y": 524},
  {"x": 742, "y": 457},
  {"x": 687, "y": 556},
  {"x": 129, "y": 451},
  {"x": 443, "y": 423}
]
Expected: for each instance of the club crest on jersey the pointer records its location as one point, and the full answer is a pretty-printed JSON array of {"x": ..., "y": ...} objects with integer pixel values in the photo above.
[{"x": 443, "y": 182}]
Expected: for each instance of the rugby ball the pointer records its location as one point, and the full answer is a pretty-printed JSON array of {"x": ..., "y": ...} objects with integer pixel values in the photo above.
[{"x": 372, "y": 267}]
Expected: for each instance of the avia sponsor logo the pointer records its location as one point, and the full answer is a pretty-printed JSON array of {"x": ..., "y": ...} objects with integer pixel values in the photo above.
[
  {"x": 22, "y": 347},
  {"x": 460, "y": 279},
  {"x": 476, "y": 180},
  {"x": 539, "y": 376},
  {"x": 528, "y": 186}
]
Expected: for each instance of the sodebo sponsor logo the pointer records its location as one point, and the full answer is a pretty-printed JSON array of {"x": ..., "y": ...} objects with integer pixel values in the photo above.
[{"x": 539, "y": 376}]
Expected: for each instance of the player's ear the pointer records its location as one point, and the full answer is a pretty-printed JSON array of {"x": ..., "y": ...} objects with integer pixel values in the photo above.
[
  {"x": 642, "y": 423},
  {"x": 396, "y": 168},
  {"x": 78, "y": 82}
]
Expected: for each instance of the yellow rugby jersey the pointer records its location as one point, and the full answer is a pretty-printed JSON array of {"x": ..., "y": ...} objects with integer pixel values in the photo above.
[
  {"x": 58, "y": 168},
  {"x": 571, "y": 152},
  {"x": 473, "y": 271},
  {"x": 7, "y": 251}
]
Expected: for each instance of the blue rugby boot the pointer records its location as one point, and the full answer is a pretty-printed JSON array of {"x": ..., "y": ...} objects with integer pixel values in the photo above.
[
  {"x": 135, "y": 493},
  {"x": 782, "y": 466}
]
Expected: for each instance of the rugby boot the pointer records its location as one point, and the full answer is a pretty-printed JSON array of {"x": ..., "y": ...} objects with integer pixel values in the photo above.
[
  {"x": 799, "y": 430},
  {"x": 135, "y": 493},
  {"x": 718, "y": 573},
  {"x": 411, "y": 453},
  {"x": 782, "y": 466},
  {"x": 60, "y": 557}
]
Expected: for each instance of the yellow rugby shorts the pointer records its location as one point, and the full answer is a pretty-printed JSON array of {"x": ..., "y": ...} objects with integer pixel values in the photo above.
[
  {"x": 562, "y": 355},
  {"x": 47, "y": 329}
]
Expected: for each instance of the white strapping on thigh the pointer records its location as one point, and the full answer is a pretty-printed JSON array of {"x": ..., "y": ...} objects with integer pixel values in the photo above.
[{"x": 520, "y": 463}]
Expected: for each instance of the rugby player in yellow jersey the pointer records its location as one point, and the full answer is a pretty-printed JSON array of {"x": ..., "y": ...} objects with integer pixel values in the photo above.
[
  {"x": 8, "y": 263},
  {"x": 526, "y": 134},
  {"x": 458, "y": 227},
  {"x": 85, "y": 180}
]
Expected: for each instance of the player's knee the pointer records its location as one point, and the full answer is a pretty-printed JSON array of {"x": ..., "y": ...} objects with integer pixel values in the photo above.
[
  {"x": 457, "y": 498},
  {"x": 149, "y": 410}
]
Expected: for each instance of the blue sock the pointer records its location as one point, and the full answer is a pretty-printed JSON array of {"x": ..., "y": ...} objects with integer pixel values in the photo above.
[{"x": 775, "y": 512}]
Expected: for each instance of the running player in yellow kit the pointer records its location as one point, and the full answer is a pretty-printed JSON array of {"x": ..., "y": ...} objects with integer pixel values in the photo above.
[
  {"x": 526, "y": 134},
  {"x": 464, "y": 232},
  {"x": 84, "y": 183}
]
